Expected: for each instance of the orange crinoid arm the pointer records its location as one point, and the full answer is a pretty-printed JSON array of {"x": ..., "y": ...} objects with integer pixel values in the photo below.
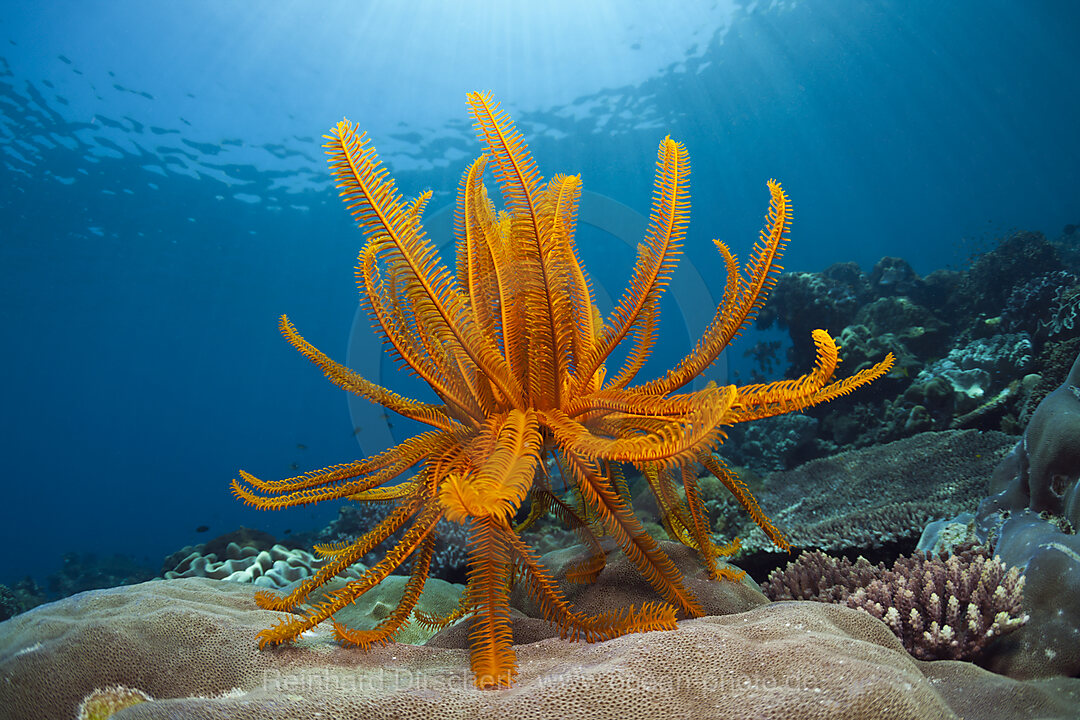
[{"x": 511, "y": 343}]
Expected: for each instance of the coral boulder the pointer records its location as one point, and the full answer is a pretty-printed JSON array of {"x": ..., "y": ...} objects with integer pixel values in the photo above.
[{"x": 190, "y": 645}]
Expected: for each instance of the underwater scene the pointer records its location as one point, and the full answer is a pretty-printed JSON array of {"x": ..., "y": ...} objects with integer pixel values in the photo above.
[{"x": 483, "y": 359}]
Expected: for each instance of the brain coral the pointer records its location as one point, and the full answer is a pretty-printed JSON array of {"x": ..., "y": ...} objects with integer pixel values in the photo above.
[{"x": 190, "y": 645}]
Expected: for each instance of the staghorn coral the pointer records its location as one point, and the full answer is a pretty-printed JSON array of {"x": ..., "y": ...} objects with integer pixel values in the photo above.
[
  {"x": 192, "y": 641},
  {"x": 946, "y": 608},
  {"x": 941, "y": 608},
  {"x": 815, "y": 575}
]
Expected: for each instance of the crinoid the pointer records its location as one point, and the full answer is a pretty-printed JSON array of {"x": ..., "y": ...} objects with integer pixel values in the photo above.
[{"x": 513, "y": 346}]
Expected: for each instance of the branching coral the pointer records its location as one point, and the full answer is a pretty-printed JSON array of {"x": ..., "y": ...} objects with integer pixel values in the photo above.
[{"x": 940, "y": 607}]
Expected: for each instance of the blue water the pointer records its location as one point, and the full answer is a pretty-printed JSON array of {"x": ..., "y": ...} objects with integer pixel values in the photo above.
[{"x": 163, "y": 198}]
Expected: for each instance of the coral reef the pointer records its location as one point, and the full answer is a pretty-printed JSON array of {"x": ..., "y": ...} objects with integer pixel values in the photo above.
[
  {"x": 9, "y": 603},
  {"x": 777, "y": 443},
  {"x": 1003, "y": 358},
  {"x": 971, "y": 371},
  {"x": 190, "y": 645},
  {"x": 89, "y": 571},
  {"x": 20, "y": 597},
  {"x": 940, "y": 607},
  {"x": 1037, "y": 306},
  {"x": 977, "y": 348}
]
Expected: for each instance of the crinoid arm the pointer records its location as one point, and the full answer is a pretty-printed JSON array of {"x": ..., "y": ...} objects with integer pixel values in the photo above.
[
  {"x": 435, "y": 623},
  {"x": 743, "y": 298},
  {"x": 761, "y": 401},
  {"x": 592, "y": 628},
  {"x": 339, "y": 561},
  {"x": 742, "y": 495},
  {"x": 381, "y": 212},
  {"x": 384, "y": 632},
  {"x": 289, "y": 629},
  {"x": 621, "y": 522},
  {"x": 638, "y": 309},
  {"x": 491, "y": 638},
  {"x": 339, "y": 481},
  {"x": 355, "y": 383}
]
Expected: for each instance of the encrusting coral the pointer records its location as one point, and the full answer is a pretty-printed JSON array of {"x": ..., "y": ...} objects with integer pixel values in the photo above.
[
  {"x": 515, "y": 348},
  {"x": 941, "y": 608},
  {"x": 103, "y": 703},
  {"x": 275, "y": 567}
]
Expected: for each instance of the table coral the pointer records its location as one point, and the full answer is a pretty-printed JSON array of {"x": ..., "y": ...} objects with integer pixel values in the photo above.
[{"x": 865, "y": 498}]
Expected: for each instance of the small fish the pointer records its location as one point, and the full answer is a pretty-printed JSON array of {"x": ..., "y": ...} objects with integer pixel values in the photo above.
[
  {"x": 288, "y": 530},
  {"x": 301, "y": 446},
  {"x": 294, "y": 466},
  {"x": 202, "y": 528}
]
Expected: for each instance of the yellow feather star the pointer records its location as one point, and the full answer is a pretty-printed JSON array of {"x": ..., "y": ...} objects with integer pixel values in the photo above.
[{"x": 515, "y": 349}]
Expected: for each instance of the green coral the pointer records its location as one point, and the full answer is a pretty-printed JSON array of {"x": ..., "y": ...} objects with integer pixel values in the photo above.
[{"x": 103, "y": 703}]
